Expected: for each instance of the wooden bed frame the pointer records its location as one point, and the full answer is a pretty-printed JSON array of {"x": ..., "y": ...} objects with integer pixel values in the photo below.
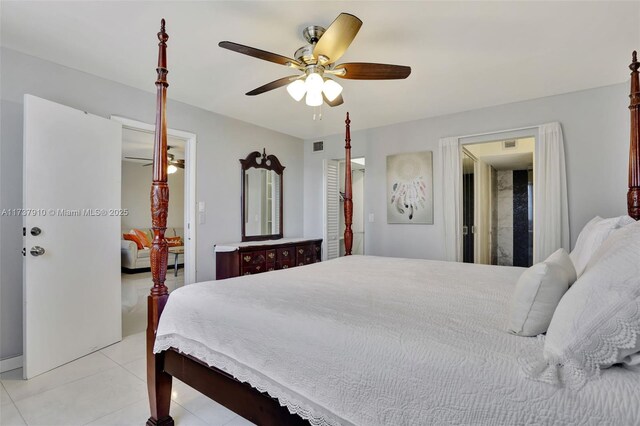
[{"x": 240, "y": 397}]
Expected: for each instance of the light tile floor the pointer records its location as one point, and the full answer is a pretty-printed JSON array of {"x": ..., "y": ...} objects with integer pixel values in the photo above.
[
  {"x": 107, "y": 387},
  {"x": 135, "y": 289}
]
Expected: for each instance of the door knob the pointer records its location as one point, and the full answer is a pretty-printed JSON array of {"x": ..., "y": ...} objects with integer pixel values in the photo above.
[
  {"x": 35, "y": 231},
  {"x": 36, "y": 251}
]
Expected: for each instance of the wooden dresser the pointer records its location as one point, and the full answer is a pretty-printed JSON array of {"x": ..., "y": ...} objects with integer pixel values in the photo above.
[{"x": 254, "y": 257}]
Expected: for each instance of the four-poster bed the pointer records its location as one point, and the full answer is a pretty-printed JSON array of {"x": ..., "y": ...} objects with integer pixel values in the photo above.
[{"x": 226, "y": 384}]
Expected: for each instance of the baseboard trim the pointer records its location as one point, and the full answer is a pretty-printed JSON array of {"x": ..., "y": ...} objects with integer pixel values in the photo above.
[{"x": 10, "y": 363}]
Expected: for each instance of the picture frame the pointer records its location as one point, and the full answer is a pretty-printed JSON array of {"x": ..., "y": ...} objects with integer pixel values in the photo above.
[{"x": 409, "y": 197}]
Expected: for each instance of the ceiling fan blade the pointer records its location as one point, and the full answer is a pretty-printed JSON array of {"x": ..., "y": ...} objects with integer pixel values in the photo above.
[
  {"x": 337, "y": 101},
  {"x": 368, "y": 71},
  {"x": 257, "y": 53},
  {"x": 273, "y": 85},
  {"x": 337, "y": 38},
  {"x": 138, "y": 158},
  {"x": 145, "y": 165}
]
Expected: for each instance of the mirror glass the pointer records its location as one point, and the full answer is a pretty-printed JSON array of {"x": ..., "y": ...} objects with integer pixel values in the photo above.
[
  {"x": 261, "y": 197},
  {"x": 261, "y": 202}
]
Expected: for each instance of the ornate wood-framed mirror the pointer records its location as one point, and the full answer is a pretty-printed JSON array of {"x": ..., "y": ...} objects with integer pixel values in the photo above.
[{"x": 261, "y": 197}]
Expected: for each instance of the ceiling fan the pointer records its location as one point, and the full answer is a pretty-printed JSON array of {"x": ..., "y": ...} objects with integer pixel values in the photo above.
[
  {"x": 173, "y": 163},
  {"x": 317, "y": 61}
]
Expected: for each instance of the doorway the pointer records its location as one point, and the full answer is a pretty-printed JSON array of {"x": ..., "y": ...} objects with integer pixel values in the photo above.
[
  {"x": 136, "y": 280},
  {"x": 334, "y": 226},
  {"x": 498, "y": 202}
]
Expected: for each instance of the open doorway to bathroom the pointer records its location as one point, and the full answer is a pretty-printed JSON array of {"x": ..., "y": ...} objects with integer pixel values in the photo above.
[
  {"x": 334, "y": 226},
  {"x": 498, "y": 202}
]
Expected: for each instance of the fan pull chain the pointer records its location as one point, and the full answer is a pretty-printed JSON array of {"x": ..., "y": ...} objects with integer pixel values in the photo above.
[{"x": 317, "y": 112}]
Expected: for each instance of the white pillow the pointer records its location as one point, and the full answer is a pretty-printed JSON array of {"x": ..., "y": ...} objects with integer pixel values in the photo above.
[
  {"x": 597, "y": 322},
  {"x": 537, "y": 293},
  {"x": 625, "y": 220},
  {"x": 591, "y": 237},
  {"x": 562, "y": 259}
]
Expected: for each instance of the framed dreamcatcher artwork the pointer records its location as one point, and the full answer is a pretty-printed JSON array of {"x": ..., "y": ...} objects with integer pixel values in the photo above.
[{"x": 410, "y": 188}]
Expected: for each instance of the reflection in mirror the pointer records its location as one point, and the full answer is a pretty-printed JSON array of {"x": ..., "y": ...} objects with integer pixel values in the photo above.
[
  {"x": 261, "y": 197},
  {"x": 262, "y": 202}
]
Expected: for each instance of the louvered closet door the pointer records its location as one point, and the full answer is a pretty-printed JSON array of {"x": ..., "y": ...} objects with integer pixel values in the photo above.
[{"x": 331, "y": 210}]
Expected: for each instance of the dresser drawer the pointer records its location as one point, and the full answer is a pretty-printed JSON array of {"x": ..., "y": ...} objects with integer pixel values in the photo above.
[
  {"x": 305, "y": 255},
  {"x": 286, "y": 256},
  {"x": 253, "y": 269},
  {"x": 271, "y": 256},
  {"x": 252, "y": 258},
  {"x": 285, "y": 265},
  {"x": 263, "y": 257}
]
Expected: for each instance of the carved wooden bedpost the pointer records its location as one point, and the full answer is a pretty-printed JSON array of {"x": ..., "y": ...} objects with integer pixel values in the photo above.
[
  {"x": 633, "y": 196},
  {"x": 348, "y": 203},
  {"x": 159, "y": 382}
]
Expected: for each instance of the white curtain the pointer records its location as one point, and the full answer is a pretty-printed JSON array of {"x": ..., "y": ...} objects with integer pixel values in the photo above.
[
  {"x": 452, "y": 197},
  {"x": 551, "y": 211}
]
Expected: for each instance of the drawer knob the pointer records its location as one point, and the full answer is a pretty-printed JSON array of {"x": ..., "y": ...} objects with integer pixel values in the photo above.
[
  {"x": 247, "y": 273},
  {"x": 271, "y": 255},
  {"x": 285, "y": 266},
  {"x": 285, "y": 253},
  {"x": 258, "y": 268},
  {"x": 300, "y": 251},
  {"x": 247, "y": 258}
]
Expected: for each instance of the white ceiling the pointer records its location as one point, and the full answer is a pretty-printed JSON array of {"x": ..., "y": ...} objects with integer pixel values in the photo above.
[
  {"x": 464, "y": 55},
  {"x": 500, "y": 158}
]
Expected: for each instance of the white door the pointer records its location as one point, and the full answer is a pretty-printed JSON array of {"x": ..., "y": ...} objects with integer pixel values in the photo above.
[
  {"x": 331, "y": 246},
  {"x": 72, "y": 178}
]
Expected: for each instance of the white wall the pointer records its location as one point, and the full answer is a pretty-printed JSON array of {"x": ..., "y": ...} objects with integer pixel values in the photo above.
[
  {"x": 596, "y": 128},
  {"x": 222, "y": 141},
  {"x": 136, "y": 181}
]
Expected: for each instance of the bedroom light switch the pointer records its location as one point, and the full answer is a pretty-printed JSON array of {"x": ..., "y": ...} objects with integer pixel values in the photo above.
[
  {"x": 202, "y": 215},
  {"x": 371, "y": 217}
]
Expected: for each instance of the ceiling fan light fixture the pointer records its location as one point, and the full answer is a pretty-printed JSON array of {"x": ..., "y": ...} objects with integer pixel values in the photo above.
[
  {"x": 297, "y": 89},
  {"x": 314, "y": 99},
  {"x": 314, "y": 84},
  {"x": 331, "y": 89},
  {"x": 171, "y": 169}
]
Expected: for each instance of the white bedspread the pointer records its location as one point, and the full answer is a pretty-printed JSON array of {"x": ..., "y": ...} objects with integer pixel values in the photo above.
[{"x": 384, "y": 341}]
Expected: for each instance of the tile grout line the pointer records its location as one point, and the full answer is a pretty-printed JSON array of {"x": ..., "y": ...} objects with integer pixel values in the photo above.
[
  {"x": 14, "y": 404},
  {"x": 190, "y": 412},
  {"x": 237, "y": 415},
  {"x": 20, "y": 414},
  {"x": 86, "y": 377},
  {"x": 121, "y": 365},
  {"x": 70, "y": 382},
  {"x": 115, "y": 411}
]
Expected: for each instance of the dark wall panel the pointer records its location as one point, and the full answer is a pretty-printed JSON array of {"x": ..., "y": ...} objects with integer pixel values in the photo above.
[{"x": 520, "y": 218}]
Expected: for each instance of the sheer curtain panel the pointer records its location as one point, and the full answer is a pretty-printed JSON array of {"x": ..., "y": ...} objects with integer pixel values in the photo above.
[{"x": 551, "y": 210}]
